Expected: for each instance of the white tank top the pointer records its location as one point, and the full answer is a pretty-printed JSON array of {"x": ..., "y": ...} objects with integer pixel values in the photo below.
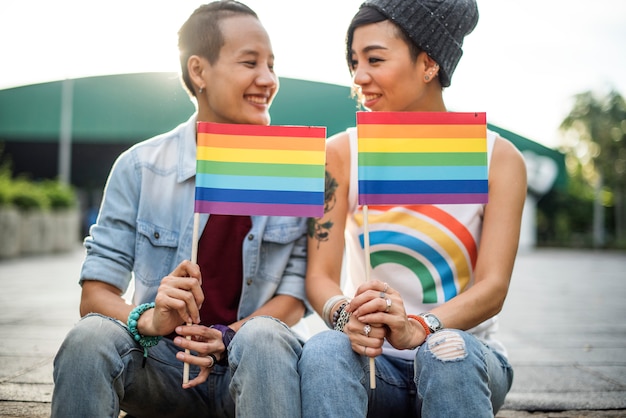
[{"x": 426, "y": 252}]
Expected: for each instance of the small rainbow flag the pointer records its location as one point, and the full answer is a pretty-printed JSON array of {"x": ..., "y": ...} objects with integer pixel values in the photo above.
[
  {"x": 260, "y": 170},
  {"x": 422, "y": 158}
]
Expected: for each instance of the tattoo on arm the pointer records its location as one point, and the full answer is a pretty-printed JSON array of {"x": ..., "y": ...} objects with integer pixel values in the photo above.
[{"x": 316, "y": 228}]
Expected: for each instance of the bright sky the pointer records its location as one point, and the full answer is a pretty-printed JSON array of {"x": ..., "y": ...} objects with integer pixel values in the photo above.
[{"x": 522, "y": 65}]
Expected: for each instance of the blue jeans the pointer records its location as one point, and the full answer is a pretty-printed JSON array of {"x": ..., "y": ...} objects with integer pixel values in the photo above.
[
  {"x": 98, "y": 371},
  {"x": 264, "y": 363},
  {"x": 453, "y": 375}
]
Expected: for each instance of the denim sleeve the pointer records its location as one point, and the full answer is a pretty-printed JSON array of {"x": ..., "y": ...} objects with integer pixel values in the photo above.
[
  {"x": 110, "y": 246},
  {"x": 292, "y": 282}
]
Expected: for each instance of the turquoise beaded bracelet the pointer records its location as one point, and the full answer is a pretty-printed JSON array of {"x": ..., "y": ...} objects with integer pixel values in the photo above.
[{"x": 144, "y": 341}]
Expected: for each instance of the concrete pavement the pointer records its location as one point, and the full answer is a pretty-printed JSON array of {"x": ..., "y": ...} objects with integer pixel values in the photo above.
[{"x": 563, "y": 324}]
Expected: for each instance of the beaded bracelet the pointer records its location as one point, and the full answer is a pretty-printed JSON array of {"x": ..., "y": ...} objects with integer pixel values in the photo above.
[
  {"x": 326, "y": 316},
  {"x": 144, "y": 341}
]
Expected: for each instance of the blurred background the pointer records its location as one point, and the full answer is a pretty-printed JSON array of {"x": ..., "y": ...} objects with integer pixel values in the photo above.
[{"x": 82, "y": 81}]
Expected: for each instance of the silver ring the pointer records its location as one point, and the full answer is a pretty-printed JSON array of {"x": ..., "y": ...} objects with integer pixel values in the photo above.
[
  {"x": 213, "y": 360},
  {"x": 367, "y": 329},
  {"x": 382, "y": 295},
  {"x": 386, "y": 287},
  {"x": 388, "y": 304}
]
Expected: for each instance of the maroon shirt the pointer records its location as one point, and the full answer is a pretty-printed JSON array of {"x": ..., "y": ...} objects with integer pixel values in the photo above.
[{"x": 220, "y": 260}]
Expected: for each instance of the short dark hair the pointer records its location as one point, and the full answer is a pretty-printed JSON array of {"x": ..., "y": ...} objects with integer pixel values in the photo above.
[
  {"x": 368, "y": 15},
  {"x": 202, "y": 35}
]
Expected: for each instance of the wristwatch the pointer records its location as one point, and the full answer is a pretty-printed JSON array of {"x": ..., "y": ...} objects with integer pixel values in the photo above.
[{"x": 434, "y": 324}]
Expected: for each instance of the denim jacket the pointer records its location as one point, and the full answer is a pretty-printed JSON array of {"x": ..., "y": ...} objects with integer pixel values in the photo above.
[{"x": 145, "y": 227}]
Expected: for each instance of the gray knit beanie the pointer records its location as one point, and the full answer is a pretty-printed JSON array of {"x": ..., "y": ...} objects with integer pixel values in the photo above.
[{"x": 436, "y": 26}]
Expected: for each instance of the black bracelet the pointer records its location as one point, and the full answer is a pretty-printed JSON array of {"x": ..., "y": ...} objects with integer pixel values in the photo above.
[
  {"x": 227, "y": 336},
  {"x": 337, "y": 313},
  {"x": 344, "y": 318}
]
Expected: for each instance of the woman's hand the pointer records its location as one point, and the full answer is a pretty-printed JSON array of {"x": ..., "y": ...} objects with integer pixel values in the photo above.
[
  {"x": 376, "y": 303},
  {"x": 366, "y": 339},
  {"x": 206, "y": 345}
]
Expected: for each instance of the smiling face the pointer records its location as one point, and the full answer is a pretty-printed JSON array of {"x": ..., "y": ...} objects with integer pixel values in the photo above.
[
  {"x": 240, "y": 85},
  {"x": 384, "y": 74}
]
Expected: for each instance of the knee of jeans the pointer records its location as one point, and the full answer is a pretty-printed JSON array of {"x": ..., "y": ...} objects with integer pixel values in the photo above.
[
  {"x": 262, "y": 332},
  {"x": 258, "y": 328},
  {"x": 447, "y": 345},
  {"x": 96, "y": 327},
  {"x": 94, "y": 331},
  {"x": 326, "y": 344}
]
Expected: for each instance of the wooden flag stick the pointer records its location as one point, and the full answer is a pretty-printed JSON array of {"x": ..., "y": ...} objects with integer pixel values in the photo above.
[
  {"x": 194, "y": 259},
  {"x": 366, "y": 239}
]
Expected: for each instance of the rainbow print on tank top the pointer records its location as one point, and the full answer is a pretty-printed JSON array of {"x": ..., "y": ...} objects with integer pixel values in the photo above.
[{"x": 427, "y": 241}]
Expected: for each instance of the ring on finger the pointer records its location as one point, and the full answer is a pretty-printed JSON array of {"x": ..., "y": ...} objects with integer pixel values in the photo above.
[
  {"x": 386, "y": 287},
  {"x": 213, "y": 360},
  {"x": 383, "y": 295},
  {"x": 388, "y": 301},
  {"x": 367, "y": 329}
]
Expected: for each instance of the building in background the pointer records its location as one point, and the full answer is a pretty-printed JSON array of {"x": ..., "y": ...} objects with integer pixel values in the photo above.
[{"x": 74, "y": 129}]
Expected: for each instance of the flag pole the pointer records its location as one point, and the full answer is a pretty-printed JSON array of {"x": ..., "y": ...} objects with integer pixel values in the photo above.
[
  {"x": 366, "y": 239},
  {"x": 194, "y": 259}
]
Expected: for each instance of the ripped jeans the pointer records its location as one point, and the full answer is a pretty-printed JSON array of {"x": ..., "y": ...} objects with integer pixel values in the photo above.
[{"x": 454, "y": 375}]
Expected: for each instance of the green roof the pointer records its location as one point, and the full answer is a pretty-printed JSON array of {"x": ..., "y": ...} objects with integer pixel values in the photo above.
[{"x": 128, "y": 108}]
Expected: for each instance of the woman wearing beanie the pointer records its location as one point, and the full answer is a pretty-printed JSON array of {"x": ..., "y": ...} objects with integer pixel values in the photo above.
[{"x": 428, "y": 314}]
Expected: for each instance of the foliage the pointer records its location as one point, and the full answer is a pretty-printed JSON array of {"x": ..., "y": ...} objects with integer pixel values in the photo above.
[
  {"x": 5, "y": 182},
  {"x": 598, "y": 128},
  {"x": 59, "y": 194},
  {"x": 28, "y": 195},
  {"x": 564, "y": 217},
  {"x": 595, "y": 145}
]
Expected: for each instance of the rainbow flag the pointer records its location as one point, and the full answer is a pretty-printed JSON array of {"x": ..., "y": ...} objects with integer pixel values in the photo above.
[
  {"x": 422, "y": 158},
  {"x": 260, "y": 170}
]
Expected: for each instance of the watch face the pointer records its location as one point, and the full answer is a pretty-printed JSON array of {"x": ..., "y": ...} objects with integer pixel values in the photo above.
[{"x": 433, "y": 322}]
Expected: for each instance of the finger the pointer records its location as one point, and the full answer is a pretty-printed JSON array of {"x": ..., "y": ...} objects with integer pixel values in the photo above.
[
  {"x": 213, "y": 360},
  {"x": 201, "y": 378},
  {"x": 205, "y": 362},
  {"x": 372, "y": 285},
  {"x": 201, "y": 332},
  {"x": 187, "y": 269},
  {"x": 388, "y": 304},
  {"x": 185, "y": 296},
  {"x": 201, "y": 348},
  {"x": 367, "y": 350},
  {"x": 380, "y": 290},
  {"x": 174, "y": 300}
]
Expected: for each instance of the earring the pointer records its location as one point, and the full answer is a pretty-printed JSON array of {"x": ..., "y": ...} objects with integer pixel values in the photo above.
[
  {"x": 201, "y": 90},
  {"x": 426, "y": 77}
]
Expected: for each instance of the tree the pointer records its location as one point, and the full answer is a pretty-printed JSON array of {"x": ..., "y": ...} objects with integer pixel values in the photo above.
[{"x": 595, "y": 139}]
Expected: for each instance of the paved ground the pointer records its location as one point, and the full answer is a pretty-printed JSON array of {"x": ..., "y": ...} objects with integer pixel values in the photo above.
[{"x": 563, "y": 323}]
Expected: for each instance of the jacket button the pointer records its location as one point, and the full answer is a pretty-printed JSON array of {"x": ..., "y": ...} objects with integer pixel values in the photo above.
[
  {"x": 249, "y": 282},
  {"x": 156, "y": 235},
  {"x": 250, "y": 237}
]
